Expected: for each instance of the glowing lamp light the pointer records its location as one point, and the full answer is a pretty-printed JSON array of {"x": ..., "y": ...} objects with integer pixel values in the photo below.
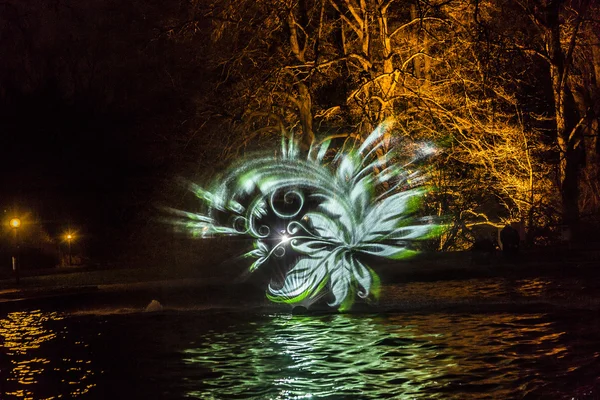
[
  {"x": 15, "y": 223},
  {"x": 69, "y": 238}
]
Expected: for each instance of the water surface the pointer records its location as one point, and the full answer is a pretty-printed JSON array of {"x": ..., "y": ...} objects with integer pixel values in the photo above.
[{"x": 472, "y": 339}]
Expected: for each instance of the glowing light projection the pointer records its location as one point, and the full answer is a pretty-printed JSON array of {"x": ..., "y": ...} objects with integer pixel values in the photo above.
[{"x": 323, "y": 213}]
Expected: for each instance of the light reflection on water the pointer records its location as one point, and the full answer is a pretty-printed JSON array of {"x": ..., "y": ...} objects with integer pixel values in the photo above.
[
  {"x": 395, "y": 356},
  {"x": 430, "y": 353},
  {"x": 295, "y": 357},
  {"x": 26, "y": 339},
  {"x": 480, "y": 288}
]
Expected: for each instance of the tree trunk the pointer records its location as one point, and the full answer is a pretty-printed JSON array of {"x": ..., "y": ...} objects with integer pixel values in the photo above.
[
  {"x": 306, "y": 116},
  {"x": 304, "y": 100},
  {"x": 568, "y": 133}
]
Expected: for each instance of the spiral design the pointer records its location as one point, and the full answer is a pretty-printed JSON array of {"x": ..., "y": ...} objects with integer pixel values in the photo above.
[
  {"x": 288, "y": 198},
  {"x": 360, "y": 206}
]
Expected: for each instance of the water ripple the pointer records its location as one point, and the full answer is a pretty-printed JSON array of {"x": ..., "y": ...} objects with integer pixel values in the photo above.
[{"x": 473, "y": 351}]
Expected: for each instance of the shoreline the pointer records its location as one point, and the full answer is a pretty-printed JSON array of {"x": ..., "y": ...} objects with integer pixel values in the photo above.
[{"x": 139, "y": 285}]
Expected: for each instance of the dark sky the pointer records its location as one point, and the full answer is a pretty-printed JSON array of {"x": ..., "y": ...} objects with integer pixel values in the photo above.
[
  {"x": 100, "y": 110},
  {"x": 69, "y": 167},
  {"x": 88, "y": 108}
]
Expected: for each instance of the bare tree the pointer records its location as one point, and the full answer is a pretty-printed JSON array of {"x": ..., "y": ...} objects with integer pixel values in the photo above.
[
  {"x": 561, "y": 35},
  {"x": 441, "y": 69}
]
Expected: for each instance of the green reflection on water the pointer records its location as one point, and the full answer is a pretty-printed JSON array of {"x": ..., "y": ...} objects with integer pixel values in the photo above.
[{"x": 299, "y": 357}]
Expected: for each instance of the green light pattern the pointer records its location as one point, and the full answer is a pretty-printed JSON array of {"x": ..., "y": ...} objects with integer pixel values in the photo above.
[
  {"x": 334, "y": 210},
  {"x": 340, "y": 356}
]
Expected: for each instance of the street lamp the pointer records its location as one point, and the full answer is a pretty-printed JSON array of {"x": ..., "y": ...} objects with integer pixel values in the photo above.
[
  {"x": 15, "y": 224},
  {"x": 69, "y": 237}
]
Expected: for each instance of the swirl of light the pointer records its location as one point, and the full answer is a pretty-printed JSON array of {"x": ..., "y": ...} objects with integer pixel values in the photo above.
[
  {"x": 288, "y": 199},
  {"x": 361, "y": 204}
]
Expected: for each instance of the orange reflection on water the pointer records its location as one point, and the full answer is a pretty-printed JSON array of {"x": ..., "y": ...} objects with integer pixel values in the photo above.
[
  {"x": 28, "y": 341},
  {"x": 532, "y": 287},
  {"x": 24, "y": 331}
]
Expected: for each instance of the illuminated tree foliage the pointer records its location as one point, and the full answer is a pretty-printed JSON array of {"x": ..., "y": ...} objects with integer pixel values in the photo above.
[
  {"x": 444, "y": 70},
  {"x": 561, "y": 39}
]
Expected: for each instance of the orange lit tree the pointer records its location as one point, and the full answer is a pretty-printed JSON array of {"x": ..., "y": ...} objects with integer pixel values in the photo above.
[
  {"x": 447, "y": 71},
  {"x": 560, "y": 40}
]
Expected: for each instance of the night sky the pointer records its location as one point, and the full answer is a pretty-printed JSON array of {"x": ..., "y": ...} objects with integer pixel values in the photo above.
[
  {"x": 89, "y": 111},
  {"x": 69, "y": 167}
]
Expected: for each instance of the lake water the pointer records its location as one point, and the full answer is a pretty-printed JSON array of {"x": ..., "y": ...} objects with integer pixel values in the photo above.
[{"x": 497, "y": 338}]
